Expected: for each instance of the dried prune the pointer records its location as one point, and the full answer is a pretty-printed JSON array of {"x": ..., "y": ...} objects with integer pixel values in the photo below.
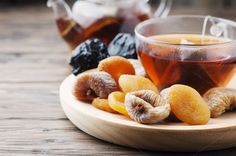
[
  {"x": 87, "y": 55},
  {"x": 123, "y": 45}
]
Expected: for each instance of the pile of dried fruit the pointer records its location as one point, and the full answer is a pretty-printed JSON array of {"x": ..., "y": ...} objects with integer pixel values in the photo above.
[
  {"x": 89, "y": 53},
  {"x": 118, "y": 86}
]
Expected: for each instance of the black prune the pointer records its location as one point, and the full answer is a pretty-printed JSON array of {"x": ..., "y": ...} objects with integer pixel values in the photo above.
[
  {"x": 87, "y": 55},
  {"x": 123, "y": 45}
]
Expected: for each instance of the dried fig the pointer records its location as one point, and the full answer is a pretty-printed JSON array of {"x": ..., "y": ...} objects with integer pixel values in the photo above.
[
  {"x": 220, "y": 100},
  {"x": 145, "y": 106},
  {"x": 94, "y": 84}
]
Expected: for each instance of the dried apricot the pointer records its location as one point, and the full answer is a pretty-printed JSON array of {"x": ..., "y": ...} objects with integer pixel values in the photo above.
[
  {"x": 187, "y": 104},
  {"x": 90, "y": 85},
  {"x": 116, "y": 102},
  {"x": 116, "y": 66},
  {"x": 102, "y": 104},
  {"x": 130, "y": 83}
]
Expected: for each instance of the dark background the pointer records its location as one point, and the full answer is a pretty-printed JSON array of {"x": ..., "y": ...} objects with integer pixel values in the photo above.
[{"x": 194, "y": 3}]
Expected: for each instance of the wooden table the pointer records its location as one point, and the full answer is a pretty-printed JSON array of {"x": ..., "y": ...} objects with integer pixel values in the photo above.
[{"x": 33, "y": 62}]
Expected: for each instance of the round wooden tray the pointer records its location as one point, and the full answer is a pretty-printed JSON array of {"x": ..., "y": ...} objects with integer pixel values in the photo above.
[{"x": 219, "y": 133}]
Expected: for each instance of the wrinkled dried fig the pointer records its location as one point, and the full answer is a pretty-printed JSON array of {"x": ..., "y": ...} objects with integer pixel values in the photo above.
[
  {"x": 94, "y": 84},
  {"x": 145, "y": 106},
  {"x": 220, "y": 100}
]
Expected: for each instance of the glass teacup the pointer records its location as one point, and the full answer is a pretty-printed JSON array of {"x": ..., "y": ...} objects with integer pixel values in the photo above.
[{"x": 197, "y": 51}]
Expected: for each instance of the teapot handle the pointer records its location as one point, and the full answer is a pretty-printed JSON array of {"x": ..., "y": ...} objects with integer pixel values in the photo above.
[{"x": 163, "y": 9}]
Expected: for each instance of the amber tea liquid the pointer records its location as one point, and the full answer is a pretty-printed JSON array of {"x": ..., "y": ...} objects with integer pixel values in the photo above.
[
  {"x": 197, "y": 68},
  {"x": 105, "y": 28}
]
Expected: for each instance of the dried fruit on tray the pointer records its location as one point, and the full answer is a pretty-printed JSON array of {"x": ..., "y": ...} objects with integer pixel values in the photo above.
[
  {"x": 220, "y": 100},
  {"x": 116, "y": 102},
  {"x": 102, "y": 104},
  {"x": 90, "y": 85},
  {"x": 87, "y": 55},
  {"x": 146, "y": 106},
  {"x": 116, "y": 66},
  {"x": 139, "y": 98},
  {"x": 123, "y": 45},
  {"x": 130, "y": 83},
  {"x": 187, "y": 104}
]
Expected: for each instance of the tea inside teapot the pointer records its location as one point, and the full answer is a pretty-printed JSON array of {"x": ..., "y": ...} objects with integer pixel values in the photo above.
[{"x": 102, "y": 19}]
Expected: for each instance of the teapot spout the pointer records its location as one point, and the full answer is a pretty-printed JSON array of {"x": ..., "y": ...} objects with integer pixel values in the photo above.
[
  {"x": 60, "y": 8},
  {"x": 69, "y": 30}
]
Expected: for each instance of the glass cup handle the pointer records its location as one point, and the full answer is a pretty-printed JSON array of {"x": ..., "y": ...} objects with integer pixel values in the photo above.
[{"x": 163, "y": 9}]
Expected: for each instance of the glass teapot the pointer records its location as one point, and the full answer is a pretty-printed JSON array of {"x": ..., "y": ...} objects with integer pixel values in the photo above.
[{"x": 102, "y": 19}]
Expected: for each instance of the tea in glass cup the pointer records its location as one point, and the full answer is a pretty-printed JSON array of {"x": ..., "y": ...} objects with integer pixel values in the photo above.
[{"x": 188, "y": 50}]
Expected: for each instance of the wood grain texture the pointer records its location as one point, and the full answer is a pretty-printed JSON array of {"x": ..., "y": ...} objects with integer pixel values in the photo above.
[{"x": 33, "y": 62}]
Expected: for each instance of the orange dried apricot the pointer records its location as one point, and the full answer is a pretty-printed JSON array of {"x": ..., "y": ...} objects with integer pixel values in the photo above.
[
  {"x": 130, "y": 83},
  {"x": 116, "y": 66},
  {"x": 102, "y": 104},
  {"x": 187, "y": 104},
  {"x": 116, "y": 102}
]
